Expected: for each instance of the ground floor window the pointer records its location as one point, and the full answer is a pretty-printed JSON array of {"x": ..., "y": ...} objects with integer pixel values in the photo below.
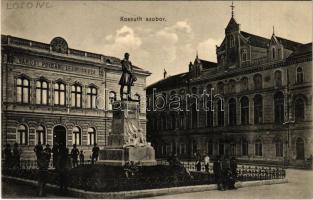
[
  {"x": 232, "y": 149},
  {"x": 300, "y": 149},
  {"x": 244, "y": 147},
  {"x": 221, "y": 149},
  {"x": 279, "y": 148},
  {"x": 258, "y": 148}
]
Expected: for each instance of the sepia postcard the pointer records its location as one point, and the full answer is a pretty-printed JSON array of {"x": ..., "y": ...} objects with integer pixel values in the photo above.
[{"x": 156, "y": 99}]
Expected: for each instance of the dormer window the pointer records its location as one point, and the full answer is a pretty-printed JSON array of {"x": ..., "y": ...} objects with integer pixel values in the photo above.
[
  {"x": 299, "y": 75},
  {"x": 273, "y": 53},
  {"x": 244, "y": 55}
]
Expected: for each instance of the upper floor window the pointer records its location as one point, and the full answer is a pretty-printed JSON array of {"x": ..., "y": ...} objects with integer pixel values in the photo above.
[
  {"x": 258, "y": 109},
  {"x": 257, "y": 79},
  {"x": 209, "y": 114},
  {"x": 273, "y": 53},
  {"x": 278, "y": 78},
  {"x": 299, "y": 75},
  {"x": 232, "y": 86},
  {"x": 91, "y": 136},
  {"x": 22, "y": 135},
  {"x": 232, "y": 111},
  {"x": 244, "y": 84},
  {"x": 244, "y": 55},
  {"x": 76, "y": 96},
  {"x": 279, "y": 107},
  {"x": 299, "y": 109},
  {"x": 22, "y": 90},
  {"x": 59, "y": 94},
  {"x": 244, "y": 110},
  {"x": 220, "y": 88},
  {"x": 41, "y": 135},
  {"x": 42, "y": 92},
  {"x": 91, "y": 96},
  {"x": 76, "y": 136},
  {"x": 220, "y": 112}
]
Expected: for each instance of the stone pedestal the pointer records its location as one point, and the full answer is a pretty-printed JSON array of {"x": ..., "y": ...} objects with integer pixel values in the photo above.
[{"x": 127, "y": 141}]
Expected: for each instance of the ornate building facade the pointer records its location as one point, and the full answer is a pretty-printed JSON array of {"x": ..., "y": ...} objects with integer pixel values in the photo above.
[
  {"x": 264, "y": 114},
  {"x": 52, "y": 93}
]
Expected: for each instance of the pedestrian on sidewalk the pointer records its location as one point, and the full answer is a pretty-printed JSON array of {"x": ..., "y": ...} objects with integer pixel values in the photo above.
[
  {"x": 7, "y": 156},
  {"x": 17, "y": 152},
  {"x": 55, "y": 151},
  {"x": 81, "y": 157},
  {"x": 207, "y": 163},
  {"x": 217, "y": 170},
  {"x": 43, "y": 159},
  {"x": 74, "y": 155},
  {"x": 48, "y": 151},
  {"x": 233, "y": 169},
  {"x": 95, "y": 154}
]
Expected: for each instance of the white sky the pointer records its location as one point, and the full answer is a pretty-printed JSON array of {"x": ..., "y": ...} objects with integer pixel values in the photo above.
[{"x": 190, "y": 26}]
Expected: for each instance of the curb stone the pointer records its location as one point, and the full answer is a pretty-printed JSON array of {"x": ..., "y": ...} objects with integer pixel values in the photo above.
[{"x": 78, "y": 193}]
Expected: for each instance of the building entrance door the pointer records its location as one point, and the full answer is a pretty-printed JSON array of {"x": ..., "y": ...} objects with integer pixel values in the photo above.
[{"x": 59, "y": 135}]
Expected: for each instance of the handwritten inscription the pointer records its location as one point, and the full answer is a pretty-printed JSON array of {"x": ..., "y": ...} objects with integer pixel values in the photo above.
[{"x": 54, "y": 66}]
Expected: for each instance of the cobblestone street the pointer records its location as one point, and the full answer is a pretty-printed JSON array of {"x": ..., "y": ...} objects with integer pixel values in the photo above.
[{"x": 299, "y": 187}]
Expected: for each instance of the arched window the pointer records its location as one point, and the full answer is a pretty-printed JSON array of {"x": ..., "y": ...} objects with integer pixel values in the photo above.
[
  {"x": 91, "y": 136},
  {"x": 244, "y": 84},
  {"x": 22, "y": 135},
  {"x": 279, "y": 107},
  {"x": 220, "y": 88},
  {"x": 76, "y": 136},
  {"x": 42, "y": 91},
  {"x": 232, "y": 111},
  {"x": 278, "y": 78},
  {"x": 244, "y": 147},
  {"x": 194, "y": 90},
  {"x": 257, "y": 79},
  {"x": 41, "y": 135},
  {"x": 220, "y": 112},
  {"x": 279, "y": 145},
  {"x": 232, "y": 86},
  {"x": 112, "y": 98},
  {"x": 194, "y": 116},
  {"x": 244, "y": 102},
  {"x": 258, "y": 147},
  {"x": 244, "y": 55},
  {"x": 76, "y": 96},
  {"x": 273, "y": 53},
  {"x": 209, "y": 114},
  {"x": 92, "y": 93},
  {"x": 22, "y": 90},
  {"x": 258, "y": 109},
  {"x": 300, "y": 149},
  {"x": 299, "y": 110},
  {"x": 299, "y": 75},
  {"x": 59, "y": 93}
]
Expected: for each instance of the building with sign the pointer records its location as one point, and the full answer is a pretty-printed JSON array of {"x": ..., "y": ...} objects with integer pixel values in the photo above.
[
  {"x": 264, "y": 114},
  {"x": 54, "y": 94}
]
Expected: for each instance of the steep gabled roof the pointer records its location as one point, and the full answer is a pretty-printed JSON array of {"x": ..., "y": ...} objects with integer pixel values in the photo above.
[
  {"x": 259, "y": 41},
  {"x": 171, "y": 81},
  {"x": 207, "y": 64},
  {"x": 255, "y": 40},
  {"x": 301, "y": 50}
]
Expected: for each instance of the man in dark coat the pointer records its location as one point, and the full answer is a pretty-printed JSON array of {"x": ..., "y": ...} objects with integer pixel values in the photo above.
[
  {"x": 127, "y": 78},
  {"x": 95, "y": 153},
  {"x": 48, "y": 151},
  {"x": 217, "y": 170},
  {"x": 8, "y": 156},
  {"x": 43, "y": 159},
  {"x": 55, "y": 151},
  {"x": 74, "y": 155},
  {"x": 233, "y": 169},
  {"x": 17, "y": 151},
  {"x": 38, "y": 148}
]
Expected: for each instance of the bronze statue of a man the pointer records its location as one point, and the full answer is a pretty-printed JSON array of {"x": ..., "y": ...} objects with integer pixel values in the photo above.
[{"x": 127, "y": 78}]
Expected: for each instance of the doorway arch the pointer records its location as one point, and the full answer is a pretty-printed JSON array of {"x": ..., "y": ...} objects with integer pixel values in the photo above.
[{"x": 59, "y": 135}]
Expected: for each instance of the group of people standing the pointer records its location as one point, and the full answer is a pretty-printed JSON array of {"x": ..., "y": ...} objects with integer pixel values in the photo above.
[
  {"x": 225, "y": 172},
  {"x": 12, "y": 158},
  {"x": 62, "y": 161}
]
